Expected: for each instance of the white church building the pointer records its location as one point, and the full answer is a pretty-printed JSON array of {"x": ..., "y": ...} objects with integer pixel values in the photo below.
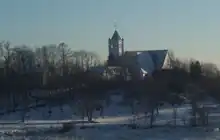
[{"x": 139, "y": 63}]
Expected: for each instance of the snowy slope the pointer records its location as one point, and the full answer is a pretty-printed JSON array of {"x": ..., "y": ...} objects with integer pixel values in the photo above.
[{"x": 112, "y": 127}]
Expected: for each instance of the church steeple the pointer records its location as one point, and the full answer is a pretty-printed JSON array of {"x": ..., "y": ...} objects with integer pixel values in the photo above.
[
  {"x": 115, "y": 46},
  {"x": 116, "y": 36}
]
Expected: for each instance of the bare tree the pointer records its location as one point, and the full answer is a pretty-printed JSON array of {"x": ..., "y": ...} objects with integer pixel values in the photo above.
[
  {"x": 210, "y": 70},
  {"x": 86, "y": 59},
  {"x": 24, "y": 59},
  {"x": 150, "y": 96},
  {"x": 65, "y": 54},
  {"x": 176, "y": 62},
  {"x": 90, "y": 95},
  {"x": 24, "y": 66},
  {"x": 6, "y": 52}
]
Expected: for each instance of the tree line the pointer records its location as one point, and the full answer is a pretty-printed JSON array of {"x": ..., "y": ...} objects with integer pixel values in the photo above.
[{"x": 58, "y": 67}]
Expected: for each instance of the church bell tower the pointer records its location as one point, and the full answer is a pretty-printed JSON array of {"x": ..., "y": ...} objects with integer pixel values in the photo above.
[{"x": 115, "y": 48}]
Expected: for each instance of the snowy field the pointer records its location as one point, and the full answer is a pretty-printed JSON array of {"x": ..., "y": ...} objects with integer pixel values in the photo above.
[{"x": 114, "y": 126}]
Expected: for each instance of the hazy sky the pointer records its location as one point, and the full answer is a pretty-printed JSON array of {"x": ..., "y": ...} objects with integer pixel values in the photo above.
[{"x": 191, "y": 28}]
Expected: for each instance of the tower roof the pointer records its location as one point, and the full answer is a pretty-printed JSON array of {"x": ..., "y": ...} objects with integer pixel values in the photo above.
[{"x": 116, "y": 36}]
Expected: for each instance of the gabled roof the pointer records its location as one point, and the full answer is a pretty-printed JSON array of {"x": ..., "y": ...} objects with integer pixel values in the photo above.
[
  {"x": 145, "y": 62},
  {"x": 116, "y": 36},
  {"x": 158, "y": 57},
  {"x": 149, "y": 60}
]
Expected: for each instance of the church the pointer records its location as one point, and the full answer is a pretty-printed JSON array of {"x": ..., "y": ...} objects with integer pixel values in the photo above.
[{"x": 139, "y": 63}]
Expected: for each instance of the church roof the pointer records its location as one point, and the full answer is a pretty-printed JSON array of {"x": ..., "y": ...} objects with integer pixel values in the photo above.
[
  {"x": 149, "y": 60},
  {"x": 116, "y": 36},
  {"x": 158, "y": 57}
]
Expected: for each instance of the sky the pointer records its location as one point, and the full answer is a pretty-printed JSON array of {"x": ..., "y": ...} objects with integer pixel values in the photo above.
[{"x": 190, "y": 28}]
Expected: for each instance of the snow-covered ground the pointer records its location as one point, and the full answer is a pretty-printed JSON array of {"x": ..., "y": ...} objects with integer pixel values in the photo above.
[{"x": 112, "y": 127}]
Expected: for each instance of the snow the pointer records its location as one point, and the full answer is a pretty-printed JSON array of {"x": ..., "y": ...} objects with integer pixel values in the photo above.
[{"x": 112, "y": 127}]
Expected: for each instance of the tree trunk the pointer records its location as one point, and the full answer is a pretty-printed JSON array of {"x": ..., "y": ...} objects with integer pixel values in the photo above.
[
  {"x": 83, "y": 116},
  {"x": 25, "y": 105},
  {"x": 89, "y": 114},
  {"x": 101, "y": 111},
  {"x": 132, "y": 108},
  {"x": 193, "y": 118},
  {"x": 174, "y": 115},
  {"x": 207, "y": 118},
  {"x": 152, "y": 118},
  {"x": 157, "y": 110}
]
